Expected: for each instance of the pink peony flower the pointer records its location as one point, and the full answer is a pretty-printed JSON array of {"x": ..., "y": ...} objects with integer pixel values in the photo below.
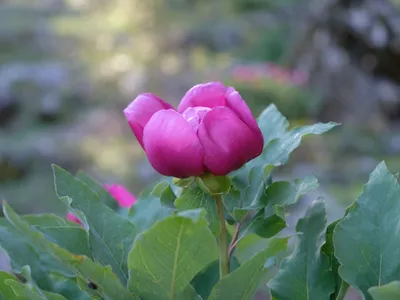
[
  {"x": 121, "y": 195},
  {"x": 212, "y": 130},
  {"x": 73, "y": 218}
]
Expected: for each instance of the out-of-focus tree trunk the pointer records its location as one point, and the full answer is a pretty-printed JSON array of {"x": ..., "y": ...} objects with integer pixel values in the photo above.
[{"x": 351, "y": 49}]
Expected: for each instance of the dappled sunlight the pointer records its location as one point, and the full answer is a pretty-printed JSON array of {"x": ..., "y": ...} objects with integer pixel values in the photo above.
[{"x": 113, "y": 155}]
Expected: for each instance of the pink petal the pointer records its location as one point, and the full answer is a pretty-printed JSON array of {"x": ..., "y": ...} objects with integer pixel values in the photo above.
[
  {"x": 235, "y": 102},
  {"x": 172, "y": 145},
  {"x": 139, "y": 112},
  {"x": 72, "y": 218},
  {"x": 121, "y": 195},
  {"x": 209, "y": 94},
  {"x": 194, "y": 115},
  {"x": 228, "y": 142}
]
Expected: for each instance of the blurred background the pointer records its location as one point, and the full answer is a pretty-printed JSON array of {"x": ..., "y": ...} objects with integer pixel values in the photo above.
[{"x": 69, "y": 67}]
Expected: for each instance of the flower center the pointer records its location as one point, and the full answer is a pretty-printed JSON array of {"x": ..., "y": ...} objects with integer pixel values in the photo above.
[{"x": 194, "y": 115}]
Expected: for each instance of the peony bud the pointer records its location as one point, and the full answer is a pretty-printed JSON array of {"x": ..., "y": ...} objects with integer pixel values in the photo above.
[
  {"x": 212, "y": 130},
  {"x": 121, "y": 195}
]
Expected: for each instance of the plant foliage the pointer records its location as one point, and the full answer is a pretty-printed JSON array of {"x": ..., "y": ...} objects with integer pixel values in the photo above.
[{"x": 167, "y": 246}]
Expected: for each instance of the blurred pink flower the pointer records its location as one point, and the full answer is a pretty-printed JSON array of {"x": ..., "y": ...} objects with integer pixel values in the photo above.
[
  {"x": 253, "y": 72},
  {"x": 212, "y": 130},
  {"x": 299, "y": 78},
  {"x": 120, "y": 194},
  {"x": 73, "y": 218},
  {"x": 279, "y": 74}
]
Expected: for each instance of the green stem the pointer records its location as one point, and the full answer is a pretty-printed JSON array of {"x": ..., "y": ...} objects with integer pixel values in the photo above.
[
  {"x": 223, "y": 239},
  {"x": 343, "y": 290}
]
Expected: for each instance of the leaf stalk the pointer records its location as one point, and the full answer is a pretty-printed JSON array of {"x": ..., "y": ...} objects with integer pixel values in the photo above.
[
  {"x": 223, "y": 239},
  {"x": 343, "y": 290}
]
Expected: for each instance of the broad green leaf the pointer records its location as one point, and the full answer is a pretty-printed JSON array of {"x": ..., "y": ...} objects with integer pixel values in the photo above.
[
  {"x": 22, "y": 253},
  {"x": 280, "y": 143},
  {"x": 206, "y": 279},
  {"x": 243, "y": 283},
  {"x": 165, "y": 258},
  {"x": 6, "y": 292},
  {"x": 29, "y": 290},
  {"x": 108, "y": 283},
  {"x": 86, "y": 286},
  {"x": 277, "y": 152},
  {"x": 95, "y": 186},
  {"x": 272, "y": 123},
  {"x": 390, "y": 291},
  {"x": 251, "y": 180},
  {"x": 249, "y": 246},
  {"x": 193, "y": 197},
  {"x": 164, "y": 191},
  {"x": 111, "y": 236},
  {"x": 68, "y": 287},
  {"x": 67, "y": 235},
  {"x": 366, "y": 240},
  {"x": 329, "y": 251},
  {"x": 264, "y": 227},
  {"x": 188, "y": 294},
  {"x": 249, "y": 186},
  {"x": 305, "y": 274},
  {"x": 255, "y": 190},
  {"x": 278, "y": 195},
  {"x": 285, "y": 193},
  {"x": 148, "y": 210}
]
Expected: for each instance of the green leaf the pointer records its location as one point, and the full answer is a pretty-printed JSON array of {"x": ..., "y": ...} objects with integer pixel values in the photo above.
[
  {"x": 251, "y": 180},
  {"x": 366, "y": 239},
  {"x": 249, "y": 246},
  {"x": 277, "y": 152},
  {"x": 243, "y": 283},
  {"x": 329, "y": 251},
  {"x": 272, "y": 123},
  {"x": 165, "y": 258},
  {"x": 148, "y": 210},
  {"x": 67, "y": 235},
  {"x": 107, "y": 282},
  {"x": 111, "y": 236},
  {"x": 278, "y": 195},
  {"x": 390, "y": 291},
  {"x": 189, "y": 294},
  {"x": 68, "y": 287},
  {"x": 207, "y": 278},
  {"x": 264, "y": 227},
  {"x": 164, "y": 191},
  {"x": 246, "y": 194},
  {"x": 194, "y": 197},
  {"x": 30, "y": 290},
  {"x": 305, "y": 274},
  {"x": 21, "y": 253},
  {"x": 85, "y": 286},
  {"x": 281, "y": 194},
  {"x": 6, "y": 292},
  {"x": 95, "y": 186},
  {"x": 285, "y": 193}
]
